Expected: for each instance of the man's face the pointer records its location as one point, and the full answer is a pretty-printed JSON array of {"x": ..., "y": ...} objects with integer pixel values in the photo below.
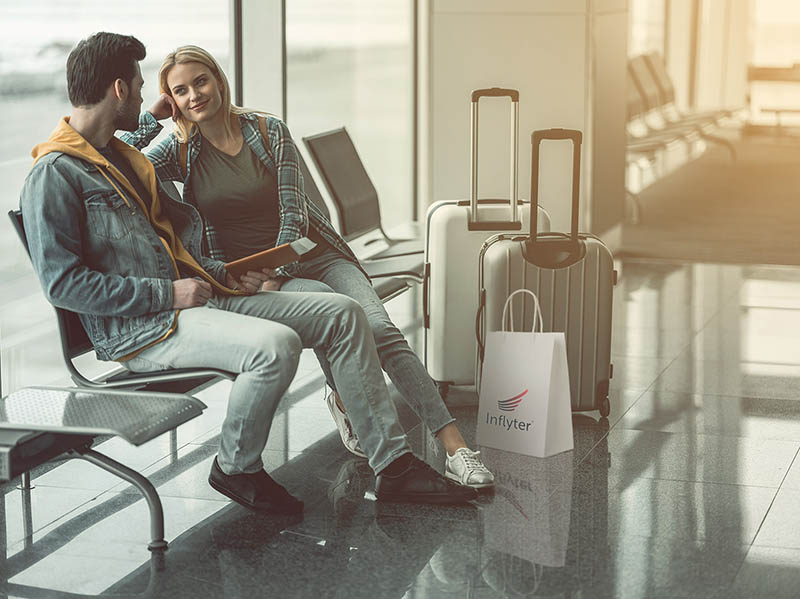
[{"x": 127, "y": 118}]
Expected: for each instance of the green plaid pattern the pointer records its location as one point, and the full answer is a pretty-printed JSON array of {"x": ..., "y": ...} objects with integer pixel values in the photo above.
[{"x": 277, "y": 153}]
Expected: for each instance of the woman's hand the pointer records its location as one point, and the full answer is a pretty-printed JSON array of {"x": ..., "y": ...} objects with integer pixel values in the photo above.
[
  {"x": 164, "y": 107},
  {"x": 271, "y": 280},
  {"x": 245, "y": 284},
  {"x": 273, "y": 284},
  {"x": 253, "y": 281}
]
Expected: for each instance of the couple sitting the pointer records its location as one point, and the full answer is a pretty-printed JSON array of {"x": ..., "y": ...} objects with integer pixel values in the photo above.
[{"x": 109, "y": 242}]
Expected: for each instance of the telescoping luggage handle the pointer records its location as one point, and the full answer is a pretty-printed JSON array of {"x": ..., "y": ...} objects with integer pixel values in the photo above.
[
  {"x": 513, "y": 223},
  {"x": 554, "y": 251},
  {"x": 536, "y": 140}
]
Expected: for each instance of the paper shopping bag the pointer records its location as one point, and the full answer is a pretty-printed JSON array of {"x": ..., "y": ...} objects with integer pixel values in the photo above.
[{"x": 524, "y": 403}]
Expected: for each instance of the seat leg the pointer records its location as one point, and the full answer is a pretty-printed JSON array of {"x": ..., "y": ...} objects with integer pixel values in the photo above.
[
  {"x": 636, "y": 207},
  {"x": 146, "y": 488},
  {"x": 723, "y": 142}
]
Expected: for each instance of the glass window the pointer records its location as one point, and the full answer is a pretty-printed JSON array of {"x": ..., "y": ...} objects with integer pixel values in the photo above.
[
  {"x": 776, "y": 43},
  {"x": 35, "y": 39},
  {"x": 351, "y": 64},
  {"x": 646, "y": 29}
]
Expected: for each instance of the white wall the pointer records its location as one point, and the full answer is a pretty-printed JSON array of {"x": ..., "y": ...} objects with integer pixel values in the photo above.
[{"x": 552, "y": 51}]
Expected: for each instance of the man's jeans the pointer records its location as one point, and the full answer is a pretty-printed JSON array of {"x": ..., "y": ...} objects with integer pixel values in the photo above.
[
  {"x": 260, "y": 337},
  {"x": 330, "y": 271}
]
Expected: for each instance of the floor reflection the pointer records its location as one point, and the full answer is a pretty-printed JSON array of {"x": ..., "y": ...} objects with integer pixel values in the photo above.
[{"x": 689, "y": 489}]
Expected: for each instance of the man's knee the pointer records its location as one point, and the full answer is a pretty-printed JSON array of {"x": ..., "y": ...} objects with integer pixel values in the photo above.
[
  {"x": 349, "y": 309},
  {"x": 277, "y": 345}
]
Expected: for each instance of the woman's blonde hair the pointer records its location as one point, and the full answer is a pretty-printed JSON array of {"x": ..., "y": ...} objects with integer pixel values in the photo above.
[{"x": 184, "y": 129}]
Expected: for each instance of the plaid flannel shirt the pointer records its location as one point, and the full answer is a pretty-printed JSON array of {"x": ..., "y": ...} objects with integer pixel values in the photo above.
[{"x": 278, "y": 154}]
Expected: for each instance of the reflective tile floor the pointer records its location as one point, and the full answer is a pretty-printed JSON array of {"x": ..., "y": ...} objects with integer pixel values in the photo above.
[{"x": 691, "y": 488}]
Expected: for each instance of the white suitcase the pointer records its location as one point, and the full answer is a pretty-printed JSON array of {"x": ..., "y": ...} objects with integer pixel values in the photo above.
[{"x": 455, "y": 231}]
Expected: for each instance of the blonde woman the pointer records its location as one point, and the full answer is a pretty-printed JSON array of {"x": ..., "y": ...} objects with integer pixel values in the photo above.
[{"x": 239, "y": 168}]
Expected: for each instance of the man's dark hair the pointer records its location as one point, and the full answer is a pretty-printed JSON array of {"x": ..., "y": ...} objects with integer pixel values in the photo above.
[{"x": 99, "y": 60}]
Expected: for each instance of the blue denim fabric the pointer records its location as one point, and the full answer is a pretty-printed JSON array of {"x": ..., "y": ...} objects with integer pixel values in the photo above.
[{"x": 95, "y": 253}]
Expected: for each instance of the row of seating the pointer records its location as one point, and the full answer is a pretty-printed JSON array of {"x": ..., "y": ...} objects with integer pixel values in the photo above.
[
  {"x": 661, "y": 136},
  {"x": 87, "y": 417}
]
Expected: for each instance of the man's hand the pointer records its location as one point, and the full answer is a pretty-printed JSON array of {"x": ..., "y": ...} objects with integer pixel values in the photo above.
[
  {"x": 189, "y": 293},
  {"x": 164, "y": 107}
]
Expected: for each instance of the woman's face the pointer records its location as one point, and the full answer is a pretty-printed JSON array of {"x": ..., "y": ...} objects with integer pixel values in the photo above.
[{"x": 195, "y": 91}]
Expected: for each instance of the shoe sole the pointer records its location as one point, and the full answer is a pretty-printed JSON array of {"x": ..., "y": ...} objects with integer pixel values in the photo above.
[
  {"x": 456, "y": 479},
  {"x": 358, "y": 454},
  {"x": 243, "y": 502}
]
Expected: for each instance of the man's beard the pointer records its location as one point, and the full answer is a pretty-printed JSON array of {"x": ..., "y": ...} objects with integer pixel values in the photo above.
[{"x": 127, "y": 117}]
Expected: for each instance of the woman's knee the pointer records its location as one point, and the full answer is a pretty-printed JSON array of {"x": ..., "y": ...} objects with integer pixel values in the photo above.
[{"x": 384, "y": 330}]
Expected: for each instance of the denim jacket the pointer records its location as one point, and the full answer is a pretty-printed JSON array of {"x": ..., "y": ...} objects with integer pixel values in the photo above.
[
  {"x": 96, "y": 250},
  {"x": 278, "y": 154}
]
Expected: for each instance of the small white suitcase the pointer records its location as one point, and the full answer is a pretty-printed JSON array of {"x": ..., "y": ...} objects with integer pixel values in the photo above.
[{"x": 455, "y": 231}]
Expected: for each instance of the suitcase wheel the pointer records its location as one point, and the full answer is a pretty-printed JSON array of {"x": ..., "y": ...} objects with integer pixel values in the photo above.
[{"x": 605, "y": 408}]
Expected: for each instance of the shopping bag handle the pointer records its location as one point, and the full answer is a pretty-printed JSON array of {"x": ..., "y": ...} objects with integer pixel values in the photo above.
[{"x": 537, "y": 314}]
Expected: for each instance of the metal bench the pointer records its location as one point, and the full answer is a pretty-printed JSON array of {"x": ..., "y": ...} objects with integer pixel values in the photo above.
[{"x": 39, "y": 424}]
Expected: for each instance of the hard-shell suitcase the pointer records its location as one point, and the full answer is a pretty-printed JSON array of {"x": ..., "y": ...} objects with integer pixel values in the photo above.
[
  {"x": 572, "y": 275},
  {"x": 455, "y": 231}
]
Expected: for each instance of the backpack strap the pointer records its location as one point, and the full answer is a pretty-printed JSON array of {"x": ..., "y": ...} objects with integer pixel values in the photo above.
[
  {"x": 183, "y": 151},
  {"x": 262, "y": 127}
]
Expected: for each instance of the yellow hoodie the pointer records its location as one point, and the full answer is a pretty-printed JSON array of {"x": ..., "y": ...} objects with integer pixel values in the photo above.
[{"x": 66, "y": 140}]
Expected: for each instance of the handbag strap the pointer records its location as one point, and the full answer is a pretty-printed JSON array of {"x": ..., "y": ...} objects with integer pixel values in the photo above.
[{"x": 508, "y": 308}]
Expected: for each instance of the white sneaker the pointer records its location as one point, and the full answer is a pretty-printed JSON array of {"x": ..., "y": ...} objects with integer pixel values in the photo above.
[
  {"x": 465, "y": 467},
  {"x": 349, "y": 438}
]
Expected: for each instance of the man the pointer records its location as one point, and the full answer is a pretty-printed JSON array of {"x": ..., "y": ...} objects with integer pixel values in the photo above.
[{"x": 108, "y": 242}]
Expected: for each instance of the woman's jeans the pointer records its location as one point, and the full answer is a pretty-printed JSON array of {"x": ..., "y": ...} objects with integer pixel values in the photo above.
[
  {"x": 330, "y": 271},
  {"x": 259, "y": 338}
]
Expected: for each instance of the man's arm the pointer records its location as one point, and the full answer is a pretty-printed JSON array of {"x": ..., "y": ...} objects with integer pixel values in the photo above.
[{"x": 52, "y": 213}]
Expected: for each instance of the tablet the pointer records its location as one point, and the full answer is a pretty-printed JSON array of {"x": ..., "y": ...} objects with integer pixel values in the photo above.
[{"x": 272, "y": 258}]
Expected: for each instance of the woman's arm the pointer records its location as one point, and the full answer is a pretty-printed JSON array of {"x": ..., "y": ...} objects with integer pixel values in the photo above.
[
  {"x": 291, "y": 198},
  {"x": 165, "y": 155}
]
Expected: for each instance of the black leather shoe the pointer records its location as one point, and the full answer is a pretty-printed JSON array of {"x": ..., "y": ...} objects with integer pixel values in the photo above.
[
  {"x": 420, "y": 483},
  {"x": 257, "y": 491}
]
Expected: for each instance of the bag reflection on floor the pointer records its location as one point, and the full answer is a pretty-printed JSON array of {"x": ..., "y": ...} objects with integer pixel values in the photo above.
[{"x": 545, "y": 531}]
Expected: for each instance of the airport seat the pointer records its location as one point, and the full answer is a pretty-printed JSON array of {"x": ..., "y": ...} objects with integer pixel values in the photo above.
[
  {"x": 659, "y": 118},
  {"x": 75, "y": 440},
  {"x": 40, "y": 424},
  {"x": 75, "y": 343},
  {"x": 669, "y": 106},
  {"x": 381, "y": 270},
  {"x": 353, "y": 193}
]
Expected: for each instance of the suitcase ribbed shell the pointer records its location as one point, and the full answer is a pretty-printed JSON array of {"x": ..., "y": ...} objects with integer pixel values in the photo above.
[{"x": 575, "y": 300}]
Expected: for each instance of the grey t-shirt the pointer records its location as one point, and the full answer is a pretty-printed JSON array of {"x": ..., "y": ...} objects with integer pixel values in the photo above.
[{"x": 239, "y": 197}]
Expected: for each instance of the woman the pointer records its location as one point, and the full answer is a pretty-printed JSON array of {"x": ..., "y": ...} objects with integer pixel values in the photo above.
[{"x": 240, "y": 169}]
